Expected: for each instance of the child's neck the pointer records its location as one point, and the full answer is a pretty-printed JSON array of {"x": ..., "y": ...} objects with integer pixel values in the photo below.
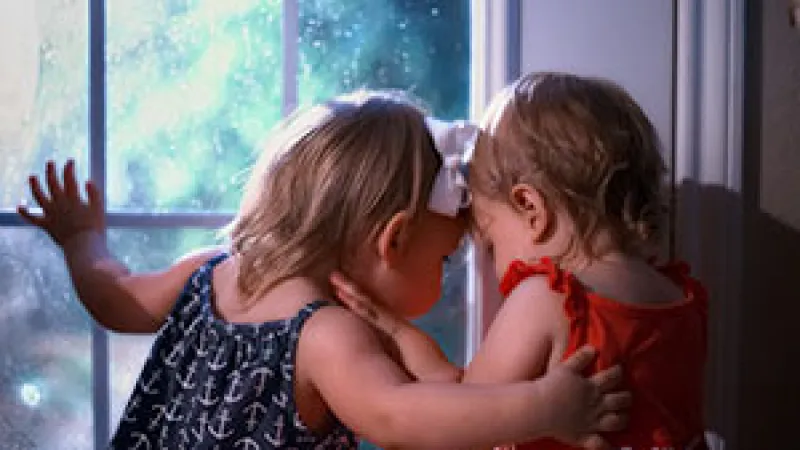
[
  {"x": 574, "y": 257},
  {"x": 281, "y": 301}
]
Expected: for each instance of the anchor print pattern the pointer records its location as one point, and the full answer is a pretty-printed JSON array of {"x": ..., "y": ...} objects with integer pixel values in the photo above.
[{"x": 208, "y": 384}]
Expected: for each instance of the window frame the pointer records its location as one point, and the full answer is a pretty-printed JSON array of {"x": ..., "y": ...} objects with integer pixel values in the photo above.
[{"x": 495, "y": 50}]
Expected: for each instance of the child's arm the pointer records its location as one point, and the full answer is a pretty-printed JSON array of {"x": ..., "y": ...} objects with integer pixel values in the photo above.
[
  {"x": 116, "y": 299},
  {"x": 372, "y": 395},
  {"x": 520, "y": 339},
  {"x": 419, "y": 353}
]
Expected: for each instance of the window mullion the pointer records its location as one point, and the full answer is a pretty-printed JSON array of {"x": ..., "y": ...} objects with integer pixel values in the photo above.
[
  {"x": 124, "y": 219},
  {"x": 495, "y": 54},
  {"x": 101, "y": 386}
]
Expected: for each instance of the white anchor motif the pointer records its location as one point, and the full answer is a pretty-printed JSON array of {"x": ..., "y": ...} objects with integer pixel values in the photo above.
[
  {"x": 287, "y": 369},
  {"x": 298, "y": 422},
  {"x": 160, "y": 409},
  {"x": 141, "y": 439},
  {"x": 187, "y": 383},
  {"x": 281, "y": 400},
  {"x": 191, "y": 303},
  {"x": 218, "y": 362},
  {"x": 200, "y": 432},
  {"x": 147, "y": 386},
  {"x": 202, "y": 346},
  {"x": 262, "y": 373},
  {"x": 163, "y": 438},
  {"x": 278, "y": 440},
  {"x": 184, "y": 438},
  {"x": 133, "y": 404},
  {"x": 195, "y": 321},
  {"x": 268, "y": 352},
  {"x": 172, "y": 359},
  {"x": 173, "y": 408},
  {"x": 221, "y": 432},
  {"x": 206, "y": 399},
  {"x": 254, "y": 410},
  {"x": 231, "y": 396},
  {"x": 247, "y": 443},
  {"x": 248, "y": 349}
]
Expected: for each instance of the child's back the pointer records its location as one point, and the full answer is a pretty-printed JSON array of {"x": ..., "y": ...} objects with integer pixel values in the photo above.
[
  {"x": 652, "y": 322},
  {"x": 226, "y": 376},
  {"x": 566, "y": 191}
]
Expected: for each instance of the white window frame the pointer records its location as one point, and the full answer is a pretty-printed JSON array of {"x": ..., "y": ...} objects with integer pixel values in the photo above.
[
  {"x": 709, "y": 93},
  {"x": 495, "y": 48}
]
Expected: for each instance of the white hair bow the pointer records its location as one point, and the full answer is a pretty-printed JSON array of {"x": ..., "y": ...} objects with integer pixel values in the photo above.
[{"x": 455, "y": 142}]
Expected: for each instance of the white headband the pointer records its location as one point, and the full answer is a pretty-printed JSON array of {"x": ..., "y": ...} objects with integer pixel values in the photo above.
[{"x": 455, "y": 142}]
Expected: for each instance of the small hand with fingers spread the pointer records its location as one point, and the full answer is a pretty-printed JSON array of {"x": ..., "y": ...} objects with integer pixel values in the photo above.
[
  {"x": 64, "y": 214},
  {"x": 417, "y": 352},
  {"x": 363, "y": 306},
  {"x": 583, "y": 408}
]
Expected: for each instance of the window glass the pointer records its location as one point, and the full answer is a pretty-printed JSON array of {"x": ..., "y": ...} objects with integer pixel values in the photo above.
[
  {"x": 193, "y": 86},
  {"x": 43, "y": 91},
  {"x": 45, "y": 351}
]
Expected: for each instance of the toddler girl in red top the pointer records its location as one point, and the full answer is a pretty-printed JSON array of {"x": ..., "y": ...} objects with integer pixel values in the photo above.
[{"x": 566, "y": 186}]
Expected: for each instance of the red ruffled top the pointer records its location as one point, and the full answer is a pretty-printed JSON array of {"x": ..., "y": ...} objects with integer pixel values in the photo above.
[{"x": 662, "y": 350}]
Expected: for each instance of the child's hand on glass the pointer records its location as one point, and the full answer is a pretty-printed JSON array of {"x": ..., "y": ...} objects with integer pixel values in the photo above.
[{"x": 64, "y": 214}]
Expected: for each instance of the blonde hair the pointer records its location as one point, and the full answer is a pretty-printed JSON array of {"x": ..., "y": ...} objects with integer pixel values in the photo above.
[
  {"x": 587, "y": 146},
  {"x": 328, "y": 180}
]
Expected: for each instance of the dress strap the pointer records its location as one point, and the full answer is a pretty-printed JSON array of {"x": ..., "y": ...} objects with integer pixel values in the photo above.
[
  {"x": 680, "y": 273},
  {"x": 311, "y": 308},
  {"x": 518, "y": 271},
  {"x": 561, "y": 281},
  {"x": 216, "y": 260}
]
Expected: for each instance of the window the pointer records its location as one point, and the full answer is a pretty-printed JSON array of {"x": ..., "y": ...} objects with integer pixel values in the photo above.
[{"x": 180, "y": 92}]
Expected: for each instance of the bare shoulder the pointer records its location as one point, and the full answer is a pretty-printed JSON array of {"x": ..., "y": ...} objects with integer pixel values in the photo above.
[
  {"x": 533, "y": 306},
  {"x": 521, "y": 337},
  {"x": 197, "y": 258},
  {"x": 535, "y": 292},
  {"x": 187, "y": 264},
  {"x": 331, "y": 328}
]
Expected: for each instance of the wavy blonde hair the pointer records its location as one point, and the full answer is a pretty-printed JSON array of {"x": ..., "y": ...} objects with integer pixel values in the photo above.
[
  {"x": 327, "y": 181},
  {"x": 587, "y": 146}
]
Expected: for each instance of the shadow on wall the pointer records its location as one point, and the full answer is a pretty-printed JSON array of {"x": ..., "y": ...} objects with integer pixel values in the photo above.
[{"x": 754, "y": 352}]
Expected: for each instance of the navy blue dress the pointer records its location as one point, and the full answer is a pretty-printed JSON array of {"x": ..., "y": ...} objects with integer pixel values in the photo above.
[{"x": 210, "y": 384}]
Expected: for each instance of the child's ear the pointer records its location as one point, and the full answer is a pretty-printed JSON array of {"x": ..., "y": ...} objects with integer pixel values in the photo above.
[
  {"x": 530, "y": 202},
  {"x": 393, "y": 237}
]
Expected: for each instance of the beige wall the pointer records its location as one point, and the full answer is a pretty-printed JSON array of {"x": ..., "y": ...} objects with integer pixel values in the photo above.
[{"x": 769, "y": 382}]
